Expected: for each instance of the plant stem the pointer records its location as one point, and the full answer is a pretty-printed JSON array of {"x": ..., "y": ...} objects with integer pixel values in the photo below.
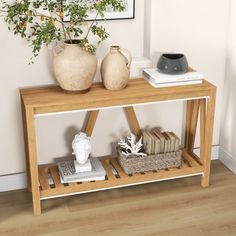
[
  {"x": 90, "y": 27},
  {"x": 68, "y": 33},
  {"x": 64, "y": 31},
  {"x": 49, "y": 17},
  {"x": 52, "y": 18}
]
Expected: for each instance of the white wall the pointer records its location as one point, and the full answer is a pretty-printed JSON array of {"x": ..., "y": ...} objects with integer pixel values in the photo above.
[
  {"x": 228, "y": 127},
  {"x": 198, "y": 29},
  {"x": 16, "y": 73},
  {"x": 193, "y": 27}
]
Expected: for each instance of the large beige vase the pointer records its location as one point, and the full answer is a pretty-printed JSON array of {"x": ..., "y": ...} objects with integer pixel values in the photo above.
[
  {"x": 74, "y": 68},
  {"x": 115, "y": 68}
]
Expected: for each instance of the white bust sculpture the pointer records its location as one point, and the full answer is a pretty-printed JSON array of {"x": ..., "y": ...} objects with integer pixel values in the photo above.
[{"x": 81, "y": 148}]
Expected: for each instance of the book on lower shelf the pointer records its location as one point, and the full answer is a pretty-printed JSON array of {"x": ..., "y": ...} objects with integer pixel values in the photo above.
[
  {"x": 156, "y": 142},
  {"x": 159, "y": 80},
  {"x": 68, "y": 174}
]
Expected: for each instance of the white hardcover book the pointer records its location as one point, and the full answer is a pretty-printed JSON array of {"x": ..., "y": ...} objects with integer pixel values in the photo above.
[
  {"x": 172, "y": 83},
  {"x": 84, "y": 179},
  {"x": 68, "y": 174},
  {"x": 160, "y": 78}
]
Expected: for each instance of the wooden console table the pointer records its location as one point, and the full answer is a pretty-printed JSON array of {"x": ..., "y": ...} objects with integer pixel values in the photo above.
[{"x": 43, "y": 100}]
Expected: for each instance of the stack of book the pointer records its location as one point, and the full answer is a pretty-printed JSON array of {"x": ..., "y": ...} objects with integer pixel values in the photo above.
[
  {"x": 158, "y": 80},
  {"x": 155, "y": 141},
  {"x": 68, "y": 173}
]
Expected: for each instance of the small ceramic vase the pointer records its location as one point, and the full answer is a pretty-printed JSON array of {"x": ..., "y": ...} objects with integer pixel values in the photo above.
[{"x": 115, "y": 68}]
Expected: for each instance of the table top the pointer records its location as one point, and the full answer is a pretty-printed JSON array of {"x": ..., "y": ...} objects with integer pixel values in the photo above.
[{"x": 48, "y": 99}]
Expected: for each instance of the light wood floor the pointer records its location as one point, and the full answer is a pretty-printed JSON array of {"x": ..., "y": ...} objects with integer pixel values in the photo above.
[{"x": 176, "y": 207}]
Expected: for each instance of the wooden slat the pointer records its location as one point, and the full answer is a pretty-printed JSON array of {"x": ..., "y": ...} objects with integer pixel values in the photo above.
[
  {"x": 189, "y": 158},
  {"x": 136, "y": 174},
  {"x": 196, "y": 158},
  {"x": 123, "y": 181},
  {"x": 90, "y": 122},
  {"x": 72, "y": 184},
  {"x": 118, "y": 167},
  {"x": 43, "y": 179},
  {"x": 184, "y": 165},
  {"x": 133, "y": 121},
  {"x": 55, "y": 176},
  {"x": 148, "y": 173},
  {"x": 108, "y": 170}
]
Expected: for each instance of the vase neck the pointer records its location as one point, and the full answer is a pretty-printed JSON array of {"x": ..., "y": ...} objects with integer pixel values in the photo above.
[
  {"x": 72, "y": 46},
  {"x": 114, "y": 49}
]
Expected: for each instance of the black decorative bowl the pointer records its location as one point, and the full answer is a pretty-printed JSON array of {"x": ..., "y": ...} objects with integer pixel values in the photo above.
[{"x": 172, "y": 64}]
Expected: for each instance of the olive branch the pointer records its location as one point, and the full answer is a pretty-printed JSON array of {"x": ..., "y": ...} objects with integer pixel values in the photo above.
[{"x": 41, "y": 22}]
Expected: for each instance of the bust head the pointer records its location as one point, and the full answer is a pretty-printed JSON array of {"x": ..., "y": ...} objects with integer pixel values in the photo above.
[{"x": 81, "y": 147}]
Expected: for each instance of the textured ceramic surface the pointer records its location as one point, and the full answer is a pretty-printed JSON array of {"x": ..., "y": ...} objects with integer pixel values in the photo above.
[
  {"x": 74, "y": 68},
  {"x": 115, "y": 68},
  {"x": 172, "y": 64}
]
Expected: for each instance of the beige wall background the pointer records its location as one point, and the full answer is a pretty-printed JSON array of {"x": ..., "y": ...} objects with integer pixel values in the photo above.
[
  {"x": 228, "y": 127},
  {"x": 196, "y": 28}
]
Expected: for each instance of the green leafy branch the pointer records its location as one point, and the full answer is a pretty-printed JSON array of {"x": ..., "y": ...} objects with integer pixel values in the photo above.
[{"x": 41, "y": 22}]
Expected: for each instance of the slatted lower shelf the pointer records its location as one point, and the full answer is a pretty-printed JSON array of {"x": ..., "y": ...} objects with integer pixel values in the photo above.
[{"x": 189, "y": 167}]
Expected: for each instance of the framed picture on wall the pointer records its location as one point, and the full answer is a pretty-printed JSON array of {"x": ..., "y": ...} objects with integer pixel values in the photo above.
[{"x": 128, "y": 13}]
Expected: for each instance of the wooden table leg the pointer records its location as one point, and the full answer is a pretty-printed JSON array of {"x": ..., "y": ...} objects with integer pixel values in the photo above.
[
  {"x": 191, "y": 124},
  {"x": 90, "y": 122},
  {"x": 209, "y": 122},
  {"x": 26, "y": 145},
  {"x": 187, "y": 122},
  {"x": 33, "y": 164},
  {"x": 202, "y": 128},
  {"x": 133, "y": 121}
]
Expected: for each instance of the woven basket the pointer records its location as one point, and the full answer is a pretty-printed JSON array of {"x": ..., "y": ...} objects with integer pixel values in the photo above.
[{"x": 137, "y": 164}]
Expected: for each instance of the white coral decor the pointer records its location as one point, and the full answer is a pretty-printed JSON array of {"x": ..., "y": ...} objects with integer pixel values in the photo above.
[{"x": 130, "y": 146}]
